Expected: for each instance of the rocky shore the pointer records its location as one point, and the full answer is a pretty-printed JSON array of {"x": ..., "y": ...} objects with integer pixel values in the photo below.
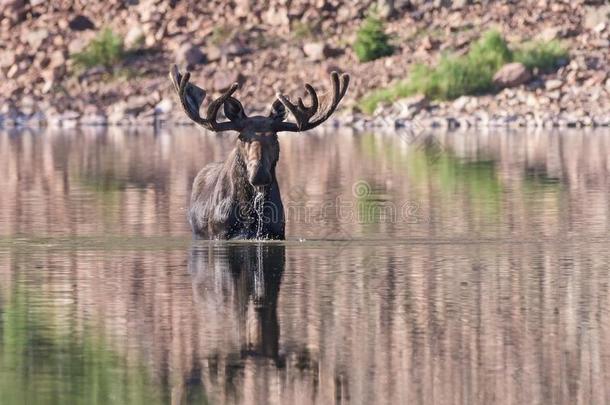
[{"x": 279, "y": 45}]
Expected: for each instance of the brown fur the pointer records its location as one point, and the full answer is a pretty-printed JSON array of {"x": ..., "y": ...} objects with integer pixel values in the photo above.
[{"x": 222, "y": 200}]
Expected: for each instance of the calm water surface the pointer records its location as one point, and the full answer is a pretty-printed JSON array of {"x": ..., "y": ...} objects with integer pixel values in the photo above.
[{"x": 470, "y": 268}]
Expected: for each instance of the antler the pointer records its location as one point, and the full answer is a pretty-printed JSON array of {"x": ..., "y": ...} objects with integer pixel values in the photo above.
[
  {"x": 192, "y": 96},
  {"x": 304, "y": 114}
]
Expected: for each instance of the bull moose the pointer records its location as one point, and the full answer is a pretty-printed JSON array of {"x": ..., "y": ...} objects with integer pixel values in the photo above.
[{"x": 240, "y": 197}]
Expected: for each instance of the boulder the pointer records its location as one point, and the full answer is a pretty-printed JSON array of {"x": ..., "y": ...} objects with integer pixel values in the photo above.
[
  {"x": 512, "y": 75},
  {"x": 464, "y": 103},
  {"x": 551, "y": 33},
  {"x": 34, "y": 38},
  {"x": 388, "y": 8},
  {"x": 553, "y": 84},
  {"x": 189, "y": 55},
  {"x": 276, "y": 17},
  {"x": 595, "y": 15},
  {"x": 458, "y": 4},
  {"x": 7, "y": 58},
  {"x": 213, "y": 53},
  {"x": 243, "y": 8},
  {"x": 135, "y": 37},
  {"x": 315, "y": 51},
  {"x": 57, "y": 58},
  {"x": 81, "y": 23},
  {"x": 164, "y": 106},
  {"x": 410, "y": 106}
]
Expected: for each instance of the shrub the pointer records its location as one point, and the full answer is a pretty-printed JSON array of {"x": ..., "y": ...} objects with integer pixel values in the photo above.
[
  {"x": 399, "y": 90},
  {"x": 472, "y": 73},
  {"x": 458, "y": 75},
  {"x": 106, "y": 50},
  {"x": 371, "y": 40},
  {"x": 454, "y": 76},
  {"x": 545, "y": 56}
]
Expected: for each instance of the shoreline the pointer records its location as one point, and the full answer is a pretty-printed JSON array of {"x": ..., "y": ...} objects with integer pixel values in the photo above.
[{"x": 478, "y": 119}]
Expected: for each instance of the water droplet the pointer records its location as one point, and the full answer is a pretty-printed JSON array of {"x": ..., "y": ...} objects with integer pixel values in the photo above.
[{"x": 259, "y": 202}]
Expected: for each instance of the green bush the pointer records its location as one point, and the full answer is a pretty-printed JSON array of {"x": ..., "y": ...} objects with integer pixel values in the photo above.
[
  {"x": 542, "y": 55},
  {"x": 470, "y": 74},
  {"x": 458, "y": 75},
  {"x": 397, "y": 91},
  {"x": 371, "y": 40},
  {"x": 106, "y": 50}
]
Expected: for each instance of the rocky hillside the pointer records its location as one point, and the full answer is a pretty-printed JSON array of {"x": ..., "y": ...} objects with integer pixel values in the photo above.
[{"x": 279, "y": 44}]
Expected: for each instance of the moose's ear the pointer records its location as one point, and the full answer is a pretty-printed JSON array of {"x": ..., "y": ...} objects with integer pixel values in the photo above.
[
  {"x": 234, "y": 111},
  {"x": 278, "y": 111}
]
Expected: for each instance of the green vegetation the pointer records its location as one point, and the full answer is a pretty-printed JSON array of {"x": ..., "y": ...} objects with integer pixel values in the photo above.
[
  {"x": 371, "y": 40},
  {"x": 541, "y": 55},
  {"x": 470, "y": 74},
  {"x": 106, "y": 50}
]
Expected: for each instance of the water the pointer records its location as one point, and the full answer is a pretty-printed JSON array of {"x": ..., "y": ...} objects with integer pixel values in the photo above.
[
  {"x": 460, "y": 269},
  {"x": 258, "y": 203}
]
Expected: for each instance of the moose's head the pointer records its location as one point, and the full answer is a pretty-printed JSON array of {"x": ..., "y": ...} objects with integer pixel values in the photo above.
[{"x": 257, "y": 142}]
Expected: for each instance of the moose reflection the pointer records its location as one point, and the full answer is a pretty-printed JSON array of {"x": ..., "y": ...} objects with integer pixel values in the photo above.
[
  {"x": 240, "y": 198},
  {"x": 239, "y": 284}
]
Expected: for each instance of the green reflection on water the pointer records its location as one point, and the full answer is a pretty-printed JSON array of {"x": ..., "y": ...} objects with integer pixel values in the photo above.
[
  {"x": 41, "y": 363},
  {"x": 427, "y": 161}
]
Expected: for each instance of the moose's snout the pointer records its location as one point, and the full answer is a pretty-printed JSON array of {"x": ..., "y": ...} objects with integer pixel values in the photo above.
[
  {"x": 258, "y": 170},
  {"x": 258, "y": 175}
]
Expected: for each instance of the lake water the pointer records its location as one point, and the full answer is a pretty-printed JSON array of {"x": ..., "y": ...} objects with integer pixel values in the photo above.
[{"x": 465, "y": 268}]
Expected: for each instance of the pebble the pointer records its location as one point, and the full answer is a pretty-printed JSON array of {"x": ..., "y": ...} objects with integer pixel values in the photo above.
[{"x": 37, "y": 52}]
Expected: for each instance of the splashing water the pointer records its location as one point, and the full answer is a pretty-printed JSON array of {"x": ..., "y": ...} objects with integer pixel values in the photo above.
[
  {"x": 259, "y": 201},
  {"x": 259, "y": 278}
]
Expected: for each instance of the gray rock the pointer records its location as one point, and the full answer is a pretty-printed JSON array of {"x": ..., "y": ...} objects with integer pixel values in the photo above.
[
  {"x": 243, "y": 8},
  {"x": 276, "y": 17},
  {"x": 66, "y": 119},
  {"x": 34, "y": 38},
  {"x": 315, "y": 51},
  {"x": 28, "y": 105},
  {"x": 599, "y": 43},
  {"x": 550, "y": 33},
  {"x": 553, "y": 84},
  {"x": 56, "y": 59},
  {"x": 512, "y": 75},
  {"x": 7, "y": 58},
  {"x": 594, "y": 15},
  {"x": 463, "y": 102},
  {"x": 599, "y": 28},
  {"x": 135, "y": 37},
  {"x": 189, "y": 55},
  {"x": 77, "y": 45},
  {"x": 457, "y": 4},
  {"x": 213, "y": 53},
  {"x": 81, "y": 23},
  {"x": 410, "y": 106},
  {"x": 164, "y": 106},
  {"x": 94, "y": 119},
  {"x": 385, "y": 8}
]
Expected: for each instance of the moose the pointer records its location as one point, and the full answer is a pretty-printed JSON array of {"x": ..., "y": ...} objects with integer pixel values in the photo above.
[{"x": 240, "y": 197}]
